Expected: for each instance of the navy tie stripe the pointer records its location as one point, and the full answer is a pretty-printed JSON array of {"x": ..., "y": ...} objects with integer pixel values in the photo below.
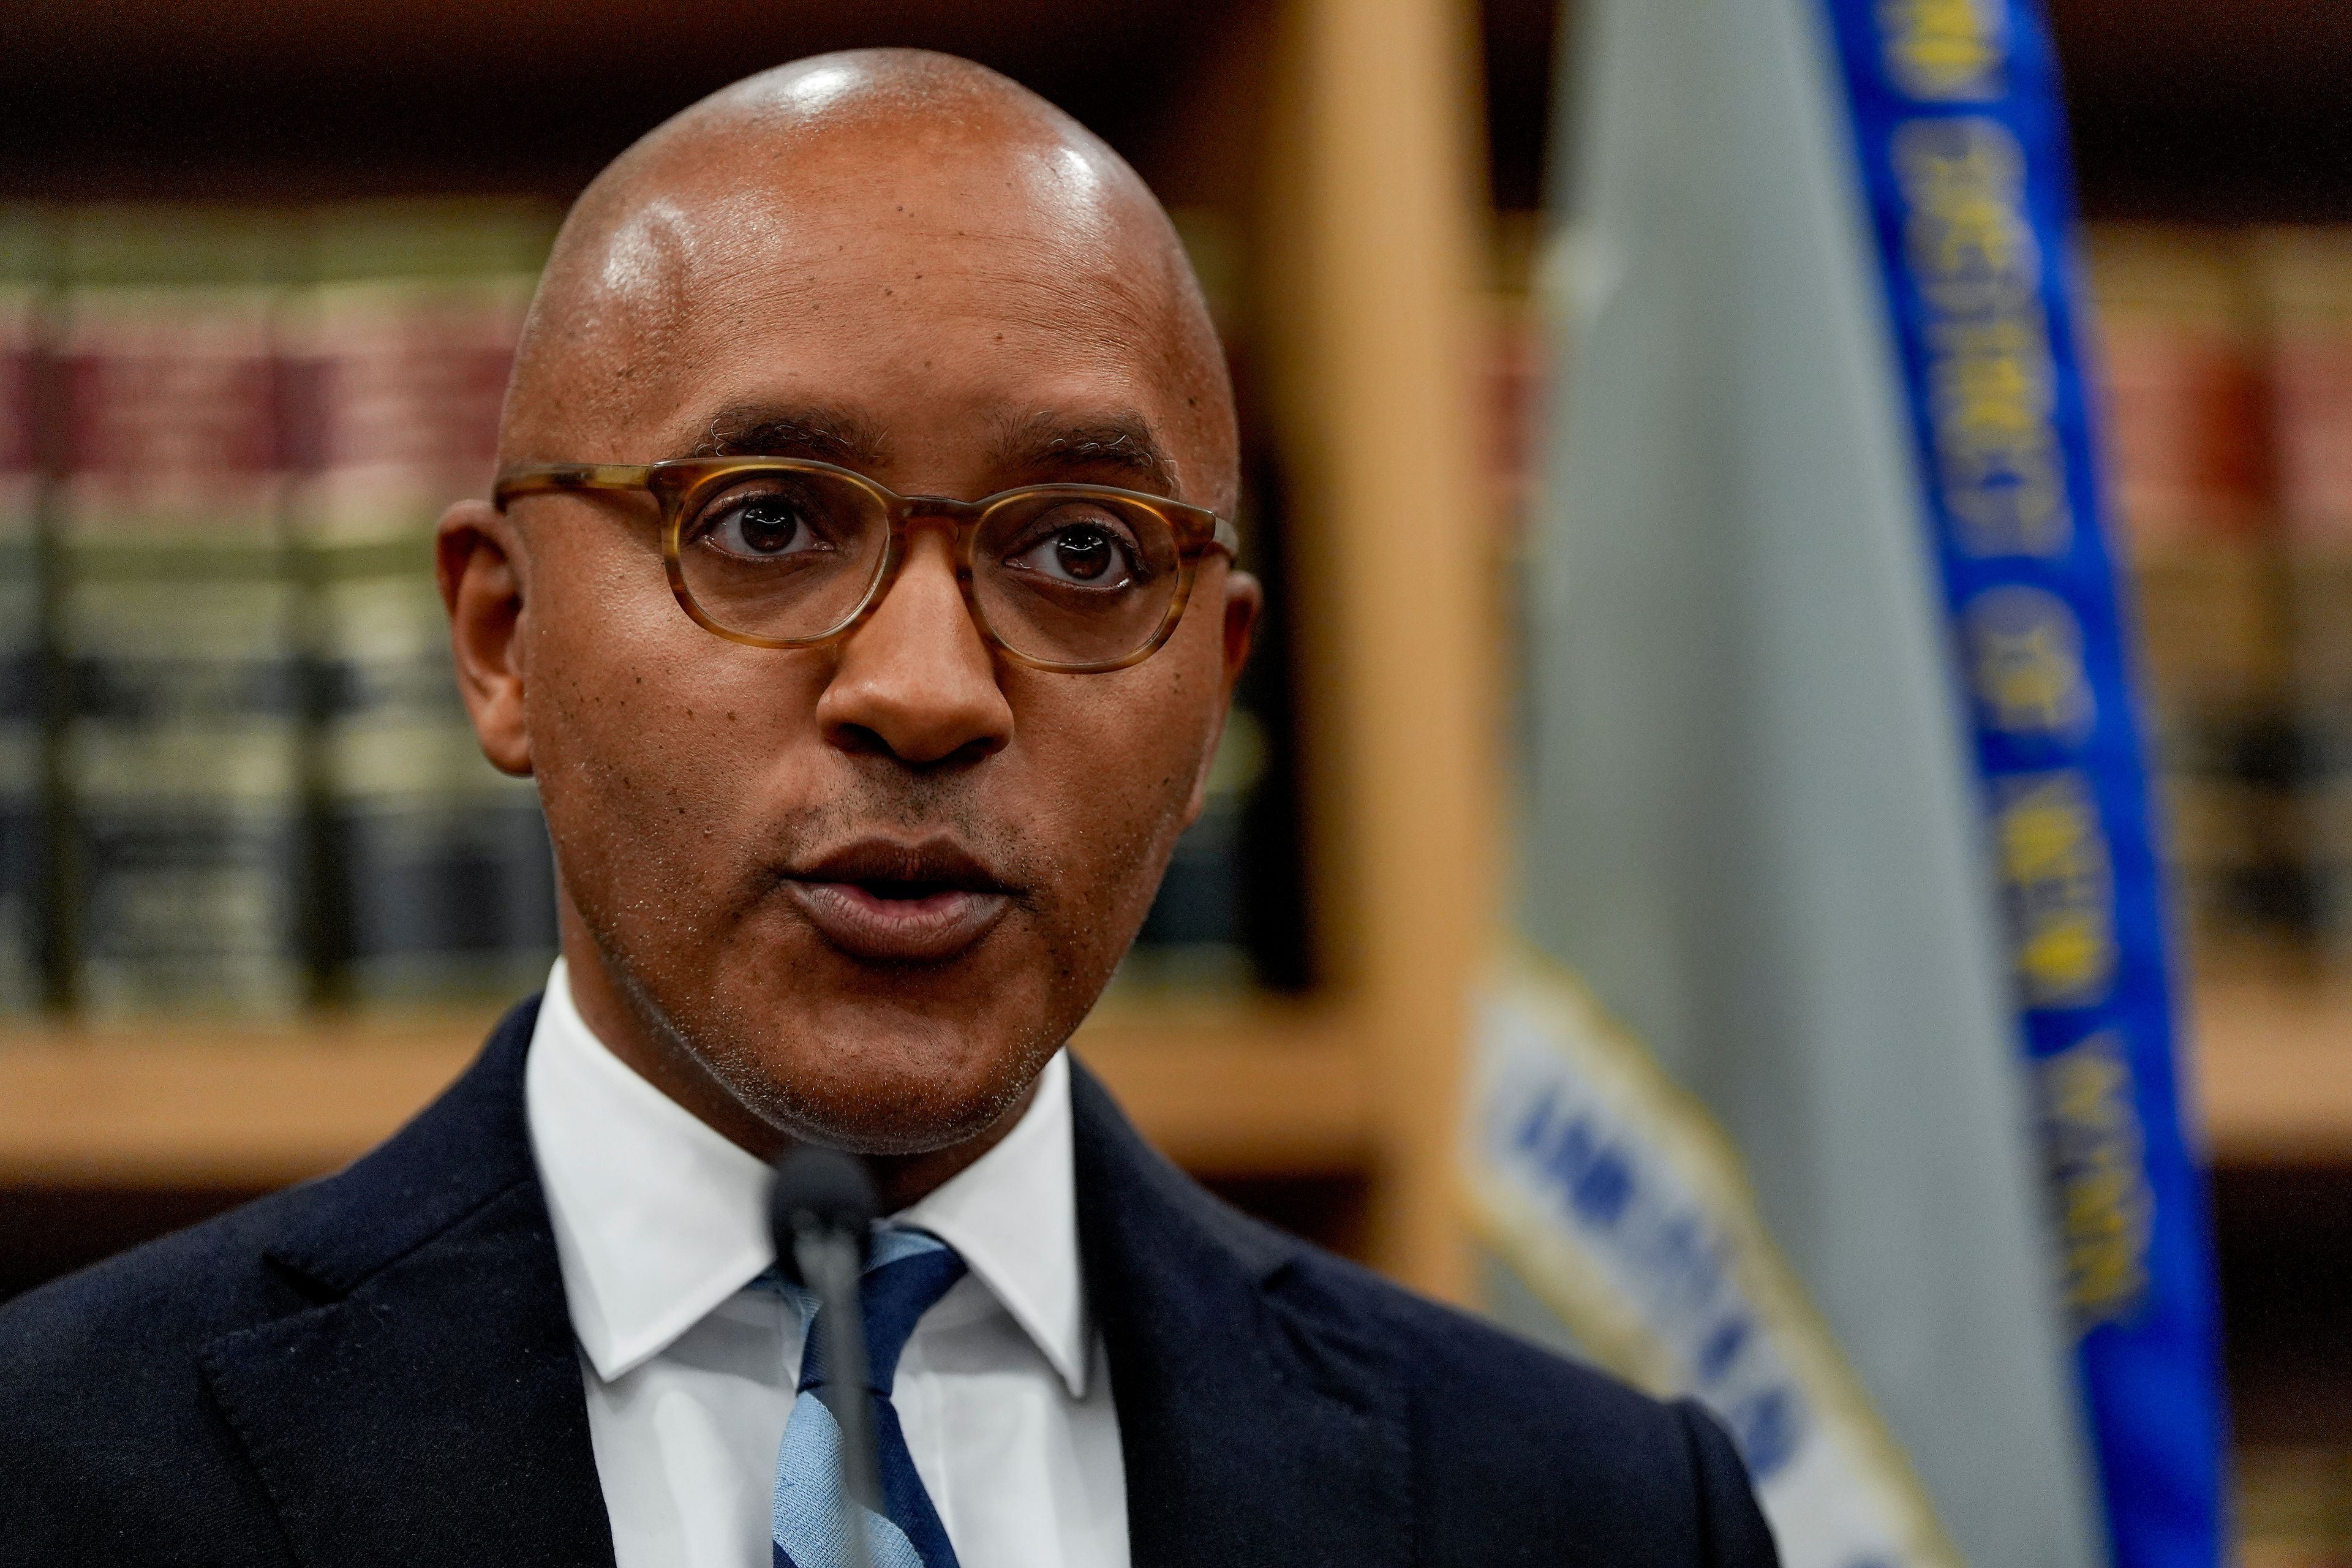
[{"x": 908, "y": 1273}]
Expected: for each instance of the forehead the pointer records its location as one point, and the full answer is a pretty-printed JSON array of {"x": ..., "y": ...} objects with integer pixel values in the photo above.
[{"x": 914, "y": 278}]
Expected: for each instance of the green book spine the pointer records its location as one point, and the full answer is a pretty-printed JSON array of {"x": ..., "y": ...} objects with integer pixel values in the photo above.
[
  {"x": 2306, "y": 276},
  {"x": 1228, "y": 915},
  {"x": 26, "y": 263},
  {"x": 432, "y": 876},
  {"x": 180, "y": 755}
]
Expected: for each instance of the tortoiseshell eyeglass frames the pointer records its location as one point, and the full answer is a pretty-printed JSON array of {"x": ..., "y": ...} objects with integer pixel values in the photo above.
[{"x": 782, "y": 553}]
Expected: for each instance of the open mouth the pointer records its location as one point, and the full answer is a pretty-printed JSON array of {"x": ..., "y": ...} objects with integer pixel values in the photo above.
[{"x": 891, "y": 902}]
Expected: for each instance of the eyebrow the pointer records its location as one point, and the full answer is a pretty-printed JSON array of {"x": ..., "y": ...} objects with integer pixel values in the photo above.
[
  {"x": 818, "y": 435},
  {"x": 1121, "y": 443},
  {"x": 1118, "y": 445}
]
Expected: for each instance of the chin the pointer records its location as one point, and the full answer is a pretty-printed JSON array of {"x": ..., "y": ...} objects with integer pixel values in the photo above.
[
  {"x": 906, "y": 1087},
  {"x": 903, "y": 1059}
]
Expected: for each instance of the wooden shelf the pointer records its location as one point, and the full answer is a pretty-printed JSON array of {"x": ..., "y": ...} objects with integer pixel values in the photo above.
[
  {"x": 2274, "y": 1071},
  {"x": 1230, "y": 1090},
  {"x": 1260, "y": 1089}
]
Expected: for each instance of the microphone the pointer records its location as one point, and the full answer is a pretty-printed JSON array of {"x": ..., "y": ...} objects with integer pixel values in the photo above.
[{"x": 821, "y": 1212}]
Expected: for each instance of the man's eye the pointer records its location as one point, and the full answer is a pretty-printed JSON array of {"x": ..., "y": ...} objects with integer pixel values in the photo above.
[
  {"x": 1090, "y": 554},
  {"x": 760, "y": 527}
]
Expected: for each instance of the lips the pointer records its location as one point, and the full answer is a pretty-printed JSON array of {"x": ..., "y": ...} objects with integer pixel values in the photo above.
[{"x": 889, "y": 902}]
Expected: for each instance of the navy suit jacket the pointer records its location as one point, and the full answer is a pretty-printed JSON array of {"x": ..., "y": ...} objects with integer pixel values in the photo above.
[{"x": 377, "y": 1367}]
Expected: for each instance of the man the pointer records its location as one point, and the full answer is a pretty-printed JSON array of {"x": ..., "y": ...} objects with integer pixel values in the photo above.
[{"x": 857, "y": 800}]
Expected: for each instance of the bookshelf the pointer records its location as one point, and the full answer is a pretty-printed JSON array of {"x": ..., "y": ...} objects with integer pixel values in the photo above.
[
  {"x": 2208, "y": 114},
  {"x": 2204, "y": 113},
  {"x": 1312, "y": 124},
  {"x": 1236, "y": 1090},
  {"x": 1263, "y": 1089},
  {"x": 2272, "y": 1072}
]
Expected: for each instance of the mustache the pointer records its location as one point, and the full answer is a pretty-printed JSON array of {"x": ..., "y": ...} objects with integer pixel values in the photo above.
[{"x": 920, "y": 836}]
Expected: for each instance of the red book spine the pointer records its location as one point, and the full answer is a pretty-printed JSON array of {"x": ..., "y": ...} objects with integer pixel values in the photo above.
[
  {"x": 2189, "y": 456},
  {"x": 435, "y": 877},
  {"x": 181, "y": 755}
]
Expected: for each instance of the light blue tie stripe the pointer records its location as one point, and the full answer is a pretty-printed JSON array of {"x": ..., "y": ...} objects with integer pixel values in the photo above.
[
  {"x": 906, "y": 1274},
  {"x": 807, "y": 1520}
]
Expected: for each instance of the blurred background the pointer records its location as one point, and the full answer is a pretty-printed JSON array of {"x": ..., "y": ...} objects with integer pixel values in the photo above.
[{"x": 261, "y": 267}]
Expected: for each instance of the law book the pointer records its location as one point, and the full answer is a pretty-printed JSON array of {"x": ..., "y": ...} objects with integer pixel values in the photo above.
[
  {"x": 180, "y": 751},
  {"x": 432, "y": 878},
  {"x": 2306, "y": 274},
  {"x": 1207, "y": 929},
  {"x": 2187, "y": 454},
  {"x": 27, "y": 268}
]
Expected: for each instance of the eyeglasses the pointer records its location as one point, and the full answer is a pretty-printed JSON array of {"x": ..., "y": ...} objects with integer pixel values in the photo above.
[{"x": 780, "y": 552}]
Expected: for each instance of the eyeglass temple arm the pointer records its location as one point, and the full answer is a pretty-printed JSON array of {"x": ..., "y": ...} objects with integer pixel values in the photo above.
[{"x": 546, "y": 479}]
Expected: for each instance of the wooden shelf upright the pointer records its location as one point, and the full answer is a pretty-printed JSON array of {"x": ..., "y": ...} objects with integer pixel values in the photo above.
[{"x": 1374, "y": 252}]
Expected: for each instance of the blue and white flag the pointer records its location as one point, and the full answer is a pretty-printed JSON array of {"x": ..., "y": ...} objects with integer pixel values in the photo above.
[{"x": 1835, "y": 1083}]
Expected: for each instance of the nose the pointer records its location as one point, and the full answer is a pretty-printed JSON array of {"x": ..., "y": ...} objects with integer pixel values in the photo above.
[{"x": 916, "y": 681}]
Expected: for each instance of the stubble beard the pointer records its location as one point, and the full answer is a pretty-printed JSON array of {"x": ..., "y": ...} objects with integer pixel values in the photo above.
[{"x": 691, "y": 1012}]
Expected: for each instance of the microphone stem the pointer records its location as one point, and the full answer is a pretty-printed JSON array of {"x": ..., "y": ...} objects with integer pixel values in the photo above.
[{"x": 829, "y": 1260}]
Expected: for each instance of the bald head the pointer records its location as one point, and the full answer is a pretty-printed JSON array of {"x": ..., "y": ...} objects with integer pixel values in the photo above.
[{"x": 872, "y": 193}]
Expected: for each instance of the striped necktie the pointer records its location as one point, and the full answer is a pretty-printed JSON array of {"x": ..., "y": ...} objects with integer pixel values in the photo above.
[{"x": 908, "y": 1272}]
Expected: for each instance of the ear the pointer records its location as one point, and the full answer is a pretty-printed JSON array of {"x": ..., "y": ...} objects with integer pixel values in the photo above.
[
  {"x": 476, "y": 558},
  {"x": 1244, "y": 600}
]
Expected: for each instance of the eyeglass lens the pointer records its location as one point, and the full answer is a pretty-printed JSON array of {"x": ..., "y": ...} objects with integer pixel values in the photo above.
[{"x": 790, "y": 555}]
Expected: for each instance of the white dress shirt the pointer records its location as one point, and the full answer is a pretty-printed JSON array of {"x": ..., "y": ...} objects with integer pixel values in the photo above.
[{"x": 659, "y": 1225}]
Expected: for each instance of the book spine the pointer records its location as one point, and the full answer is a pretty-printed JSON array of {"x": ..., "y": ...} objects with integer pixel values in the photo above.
[
  {"x": 180, "y": 754},
  {"x": 2185, "y": 397},
  {"x": 435, "y": 877},
  {"x": 23, "y": 754},
  {"x": 1228, "y": 908},
  {"x": 2307, "y": 277},
  {"x": 1193, "y": 937}
]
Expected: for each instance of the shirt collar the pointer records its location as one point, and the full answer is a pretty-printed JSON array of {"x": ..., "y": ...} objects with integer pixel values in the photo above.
[
  {"x": 1012, "y": 1214},
  {"x": 659, "y": 1218}
]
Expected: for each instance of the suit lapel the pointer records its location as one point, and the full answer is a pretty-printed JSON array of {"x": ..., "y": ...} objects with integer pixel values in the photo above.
[
  {"x": 427, "y": 1409},
  {"x": 1255, "y": 1428}
]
